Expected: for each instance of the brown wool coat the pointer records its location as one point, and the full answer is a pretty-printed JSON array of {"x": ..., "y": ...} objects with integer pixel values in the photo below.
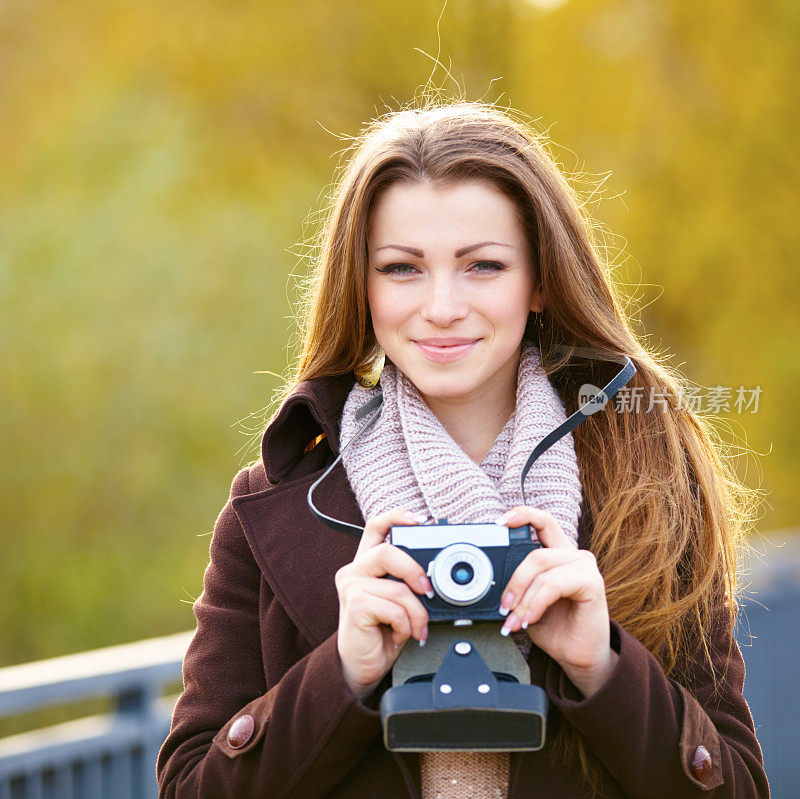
[{"x": 265, "y": 647}]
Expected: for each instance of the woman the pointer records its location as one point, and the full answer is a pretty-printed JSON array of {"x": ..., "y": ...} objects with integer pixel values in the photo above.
[{"x": 456, "y": 250}]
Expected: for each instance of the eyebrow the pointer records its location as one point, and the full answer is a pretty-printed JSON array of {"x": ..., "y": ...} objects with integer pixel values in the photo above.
[{"x": 458, "y": 253}]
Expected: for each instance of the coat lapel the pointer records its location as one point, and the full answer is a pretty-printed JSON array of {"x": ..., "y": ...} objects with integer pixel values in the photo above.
[{"x": 298, "y": 555}]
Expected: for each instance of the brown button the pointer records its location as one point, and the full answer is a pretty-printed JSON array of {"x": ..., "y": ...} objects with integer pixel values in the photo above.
[
  {"x": 701, "y": 764},
  {"x": 241, "y": 731}
]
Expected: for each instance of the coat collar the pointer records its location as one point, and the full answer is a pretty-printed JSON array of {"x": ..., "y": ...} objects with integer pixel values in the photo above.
[
  {"x": 314, "y": 407},
  {"x": 297, "y": 554}
]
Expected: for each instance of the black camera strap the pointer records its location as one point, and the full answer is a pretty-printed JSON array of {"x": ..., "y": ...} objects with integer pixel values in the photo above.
[
  {"x": 597, "y": 402},
  {"x": 372, "y": 410}
]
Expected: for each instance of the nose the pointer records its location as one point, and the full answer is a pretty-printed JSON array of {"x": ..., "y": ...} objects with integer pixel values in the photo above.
[{"x": 443, "y": 304}]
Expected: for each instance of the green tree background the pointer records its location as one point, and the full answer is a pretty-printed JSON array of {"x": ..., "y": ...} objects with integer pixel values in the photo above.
[{"x": 160, "y": 170}]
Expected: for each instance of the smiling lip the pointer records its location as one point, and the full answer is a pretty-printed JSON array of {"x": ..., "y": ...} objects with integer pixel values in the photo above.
[{"x": 443, "y": 350}]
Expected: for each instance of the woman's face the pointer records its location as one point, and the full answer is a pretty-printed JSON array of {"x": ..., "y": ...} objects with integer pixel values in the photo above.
[{"x": 450, "y": 285}]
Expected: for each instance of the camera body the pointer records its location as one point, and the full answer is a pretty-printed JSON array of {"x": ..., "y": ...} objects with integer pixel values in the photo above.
[{"x": 469, "y": 565}]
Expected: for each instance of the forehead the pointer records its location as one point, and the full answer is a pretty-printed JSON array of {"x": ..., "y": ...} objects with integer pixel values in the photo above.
[{"x": 413, "y": 213}]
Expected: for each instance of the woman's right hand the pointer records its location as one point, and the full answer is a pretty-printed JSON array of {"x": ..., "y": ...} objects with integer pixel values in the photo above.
[{"x": 377, "y": 616}]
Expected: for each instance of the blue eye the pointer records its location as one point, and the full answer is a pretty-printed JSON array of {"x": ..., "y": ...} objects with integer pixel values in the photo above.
[
  {"x": 485, "y": 267},
  {"x": 396, "y": 269},
  {"x": 488, "y": 266}
]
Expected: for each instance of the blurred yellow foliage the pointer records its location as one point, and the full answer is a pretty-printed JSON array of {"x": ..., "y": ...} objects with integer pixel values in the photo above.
[{"x": 161, "y": 166}]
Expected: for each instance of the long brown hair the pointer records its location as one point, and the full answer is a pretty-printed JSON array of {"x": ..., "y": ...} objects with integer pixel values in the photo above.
[{"x": 669, "y": 514}]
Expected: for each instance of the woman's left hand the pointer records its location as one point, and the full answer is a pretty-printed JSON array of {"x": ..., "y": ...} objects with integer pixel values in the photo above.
[{"x": 558, "y": 595}]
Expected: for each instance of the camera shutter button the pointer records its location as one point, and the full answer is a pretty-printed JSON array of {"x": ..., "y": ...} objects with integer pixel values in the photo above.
[{"x": 463, "y": 647}]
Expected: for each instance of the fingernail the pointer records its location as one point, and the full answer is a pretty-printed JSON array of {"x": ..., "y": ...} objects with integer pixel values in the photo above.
[
  {"x": 425, "y": 585},
  {"x": 505, "y": 629},
  {"x": 419, "y": 518},
  {"x": 424, "y": 637},
  {"x": 526, "y": 620},
  {"x": 501, "y": 520},
  {"x": 506, "y": 603}
]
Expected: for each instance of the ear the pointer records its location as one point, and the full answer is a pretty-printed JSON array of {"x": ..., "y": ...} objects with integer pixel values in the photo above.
[{"x": 536, "y": 301}]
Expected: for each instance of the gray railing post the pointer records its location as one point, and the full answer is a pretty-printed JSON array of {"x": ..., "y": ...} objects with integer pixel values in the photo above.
[{"x": 103, "y": 757}]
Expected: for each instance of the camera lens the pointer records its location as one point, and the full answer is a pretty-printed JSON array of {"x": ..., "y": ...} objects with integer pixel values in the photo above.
[{"x": 462, "y": 573}]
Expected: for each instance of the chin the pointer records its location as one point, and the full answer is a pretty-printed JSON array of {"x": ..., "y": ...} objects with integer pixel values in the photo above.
[{"x": 442, "y": 389}]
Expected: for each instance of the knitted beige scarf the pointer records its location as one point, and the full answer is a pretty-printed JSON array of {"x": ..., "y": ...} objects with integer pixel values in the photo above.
[{"x": 407, "y": 459}]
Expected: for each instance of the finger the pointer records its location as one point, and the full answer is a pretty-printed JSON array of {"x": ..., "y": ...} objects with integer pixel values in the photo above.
[
  {"x": 400, "y": 595},
  {"x": 379, "y": 601},
  {"x": 386, "y": 559},
  {"x": 536, "y": 562},
  {"x": 548, "y": 530},
  {"x": 575, "y": 581},
  {"x": 377, "y": 527},
  {"x": 366, "y": 610}
]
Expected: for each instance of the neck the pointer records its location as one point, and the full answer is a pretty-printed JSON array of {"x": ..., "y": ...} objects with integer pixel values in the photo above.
[{"x": 475, "y": 422}]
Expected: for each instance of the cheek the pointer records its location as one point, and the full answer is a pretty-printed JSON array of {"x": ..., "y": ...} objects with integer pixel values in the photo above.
[
  {"x": 509, "y": 310},
  {"x": 388, "y": 309}
]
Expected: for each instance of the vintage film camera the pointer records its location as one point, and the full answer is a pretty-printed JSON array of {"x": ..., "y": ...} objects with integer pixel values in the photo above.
[
  {"x": 468, "y": 565},
  {"x": 469, "y": 688}
]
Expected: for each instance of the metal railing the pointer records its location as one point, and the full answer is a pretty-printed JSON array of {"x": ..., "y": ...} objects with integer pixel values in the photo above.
[
  {"x": 102, "y": 757},
  {"x": 113, "y": 756},
  {"x": 769, "y": 636}
]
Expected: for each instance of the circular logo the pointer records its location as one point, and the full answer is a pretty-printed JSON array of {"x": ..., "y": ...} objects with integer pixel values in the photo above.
[{"x": 593, "y": 397}]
